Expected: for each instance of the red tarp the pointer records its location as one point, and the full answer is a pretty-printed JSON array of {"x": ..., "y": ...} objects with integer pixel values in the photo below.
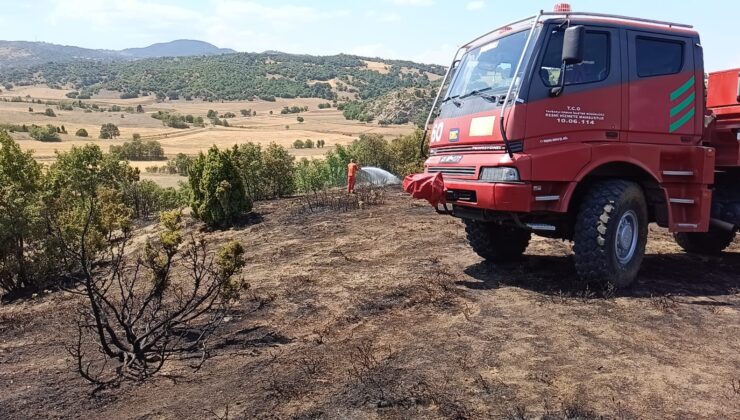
[{"x": 430, "y": 187}]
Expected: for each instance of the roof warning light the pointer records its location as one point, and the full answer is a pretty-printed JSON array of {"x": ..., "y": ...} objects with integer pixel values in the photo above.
[{"x": 562, "y": 8}]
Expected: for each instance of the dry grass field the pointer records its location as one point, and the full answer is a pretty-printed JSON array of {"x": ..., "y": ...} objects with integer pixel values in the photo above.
[
  {"x": 326, "y": 124},
  {"x": 385, "y": 312}
]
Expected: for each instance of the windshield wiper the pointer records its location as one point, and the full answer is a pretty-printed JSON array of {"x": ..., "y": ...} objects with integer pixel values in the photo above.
[
  {"x": 480, "y": 93},
  {"x": 452, "y": 99}
]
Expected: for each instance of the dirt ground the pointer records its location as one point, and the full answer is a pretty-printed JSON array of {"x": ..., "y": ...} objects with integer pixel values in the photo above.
[{"x": 385, "y": 312}]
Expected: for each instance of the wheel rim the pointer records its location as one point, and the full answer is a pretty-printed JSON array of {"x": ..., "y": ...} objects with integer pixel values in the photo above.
[{"x": 625, "y": 240}]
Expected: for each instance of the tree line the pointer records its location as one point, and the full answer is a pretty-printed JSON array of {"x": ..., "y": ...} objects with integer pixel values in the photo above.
[{"x": 242, "y": 76}]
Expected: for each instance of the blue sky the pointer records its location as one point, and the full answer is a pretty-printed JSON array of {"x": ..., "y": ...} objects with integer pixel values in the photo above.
[{"x": 419, "y": 30}]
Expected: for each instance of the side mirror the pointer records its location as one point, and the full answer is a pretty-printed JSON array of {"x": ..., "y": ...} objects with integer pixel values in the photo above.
[
  {"x": 573, "y": 45},
  {"x": 574, "y": 40}
]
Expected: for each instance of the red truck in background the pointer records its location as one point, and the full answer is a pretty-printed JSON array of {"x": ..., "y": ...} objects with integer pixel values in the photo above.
[{"x": 586, "y": 127}]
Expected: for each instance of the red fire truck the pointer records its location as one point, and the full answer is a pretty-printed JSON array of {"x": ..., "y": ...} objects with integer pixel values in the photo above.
[{"x": 586, "y": 127}]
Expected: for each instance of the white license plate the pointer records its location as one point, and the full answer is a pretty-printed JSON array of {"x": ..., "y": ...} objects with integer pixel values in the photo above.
[{"x": 451, "y": 159}]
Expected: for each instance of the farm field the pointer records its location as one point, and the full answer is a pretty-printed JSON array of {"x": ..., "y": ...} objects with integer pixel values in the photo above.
[
  {"x": 385, "y": 312},
  {"x": 325, "y": 124}
]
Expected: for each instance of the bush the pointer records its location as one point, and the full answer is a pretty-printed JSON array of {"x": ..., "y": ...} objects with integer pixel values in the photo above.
[
  {"x": 173, "y": 120},
  {"x": 372, "y": 150},
  {"x": 149, "y": 198},
  {"x": 20, "y": 222},
  {"x": 310, "y": 175},
  {"x": 110, "y": 348},
  {"x": 138, "y": 150},
  {"x": 129, "y": 95},
  {"x": 278, "y": 179},
  {"x": 406, "y": 154},
  {"x": 49, "y": 112},
  {"x": 298, "y": 144},
  {"x": 218, "y": 193},
  {"x": 81, "y": 133},
  {"x": 249, "y": 161},
  {"x": 70, "y": 183},
  {"x": 109, "y": 131},
  {"x": 47, "y": 133},
  {"x": 182, "y": 163}
]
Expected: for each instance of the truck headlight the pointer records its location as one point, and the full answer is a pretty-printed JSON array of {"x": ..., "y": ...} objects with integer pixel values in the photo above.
[{"x": 499, "y": 174}]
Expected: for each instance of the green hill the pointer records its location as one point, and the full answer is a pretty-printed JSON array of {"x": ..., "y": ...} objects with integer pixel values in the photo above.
[
  {"x": 237, "y": 76},
  {"x": 399, "y": 106}
]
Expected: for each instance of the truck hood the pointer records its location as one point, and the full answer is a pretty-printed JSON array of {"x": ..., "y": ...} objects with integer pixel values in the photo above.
[{"x": 470, "y": 129}]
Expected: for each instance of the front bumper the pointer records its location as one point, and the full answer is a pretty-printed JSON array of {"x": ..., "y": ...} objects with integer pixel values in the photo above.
[{"x": 510, "y": 197}]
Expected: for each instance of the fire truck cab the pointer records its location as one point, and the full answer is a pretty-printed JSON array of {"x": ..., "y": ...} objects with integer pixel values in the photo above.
[{"x": 586, "y": 127}]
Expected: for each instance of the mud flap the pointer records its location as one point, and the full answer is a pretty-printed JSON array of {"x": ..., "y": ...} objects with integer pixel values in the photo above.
[{"x": 427, "y": 186}]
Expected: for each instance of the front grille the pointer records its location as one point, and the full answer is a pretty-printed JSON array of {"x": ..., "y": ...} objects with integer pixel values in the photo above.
[
  {"x": 460, "y": 195},
  {"x": 517, "y": 146},
  {"x": 453, "y": 171}
]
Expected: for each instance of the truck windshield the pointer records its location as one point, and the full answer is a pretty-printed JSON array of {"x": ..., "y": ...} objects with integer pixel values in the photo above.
[{"x": 488, "y": 68}]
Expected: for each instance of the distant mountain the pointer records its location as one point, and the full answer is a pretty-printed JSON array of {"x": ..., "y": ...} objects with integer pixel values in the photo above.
[
  {"x": 177, "y": 48},
  {"x": 26, "y": 54}
]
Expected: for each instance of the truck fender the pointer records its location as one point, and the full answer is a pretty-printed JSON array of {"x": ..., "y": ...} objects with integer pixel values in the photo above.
[{"x": 626, "y": 167}]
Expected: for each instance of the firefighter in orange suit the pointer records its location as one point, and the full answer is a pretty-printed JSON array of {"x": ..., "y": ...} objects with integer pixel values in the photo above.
[{"x": 352, "y": 169}]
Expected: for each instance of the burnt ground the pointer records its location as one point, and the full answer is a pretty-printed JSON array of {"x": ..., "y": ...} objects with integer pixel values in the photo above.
[{"x": 386, "y": 313}]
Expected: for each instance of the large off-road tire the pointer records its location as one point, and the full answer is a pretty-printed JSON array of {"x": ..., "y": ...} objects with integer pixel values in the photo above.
[
  {"x": 610, "y": 233},
  {"x": 707, "y": 243},
  {"x": 495, "y": 242}
]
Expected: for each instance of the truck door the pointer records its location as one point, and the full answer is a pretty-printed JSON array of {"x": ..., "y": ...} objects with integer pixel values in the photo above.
[
  {"x": 664, "y": 92},
  {"x": 589, "y": 108}
]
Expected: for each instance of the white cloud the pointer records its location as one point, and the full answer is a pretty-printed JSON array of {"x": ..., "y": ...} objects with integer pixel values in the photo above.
[
  {"x": 413, "y": 2},
  {"x": 102, "y": 14},
  {"x": 244, "y": 26},
  {"x": 476, "y": 5},
  {"x": 278, "y": 15},
  {"x": 438, "y": 55},
  {"x": 390, "y": 17}
]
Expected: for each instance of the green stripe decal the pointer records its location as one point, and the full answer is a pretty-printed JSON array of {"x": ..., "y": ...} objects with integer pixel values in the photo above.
[
  {"x": 680, "y": 91},
  {"x": 680, "y": 107},
  {"x": 681, "y": 121}
]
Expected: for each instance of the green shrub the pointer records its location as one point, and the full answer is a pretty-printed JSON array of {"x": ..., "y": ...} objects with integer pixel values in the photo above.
[
  {"x": 138, "y": 150},
  {"x": 311, "y": 175},
  {"x": 81, "y": 133},
  {"x": 109, "y": 131},
  {"x": 249, "y": 161},
  {"x": 278, "y": 178},
  {"x": 372, "y": 150},
  {"x": 46, "y": 133},
  {"x": 218, "y": 194},
  {"x": 20, "y": 223},
  {"x": 149, "y": 198}
]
